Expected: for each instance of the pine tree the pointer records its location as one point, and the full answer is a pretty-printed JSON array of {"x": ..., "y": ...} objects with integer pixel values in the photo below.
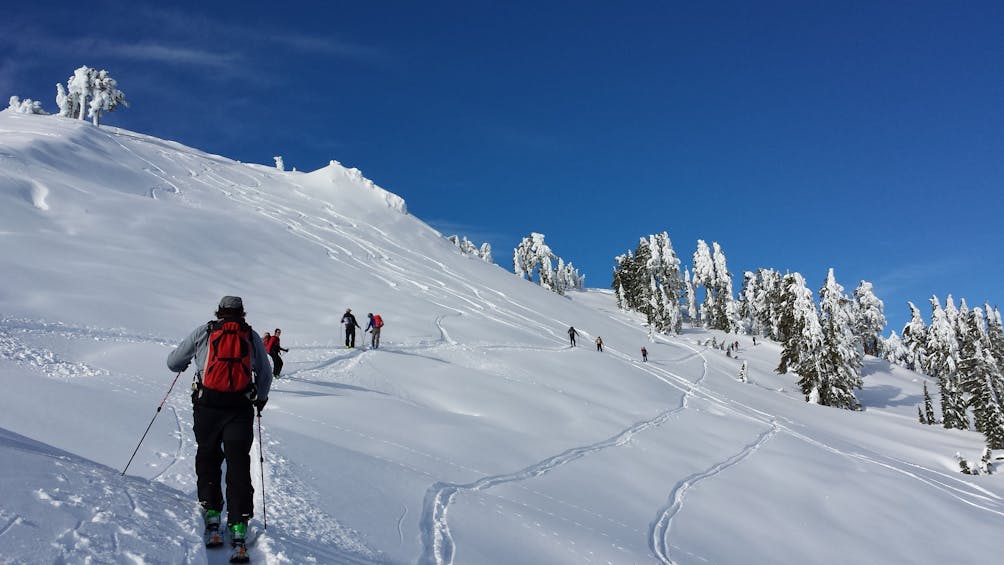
[
  {"x": 893, "y": 350},
  {"x": 928, "y": 407},
  {"x": 870, "y": 319},
  {"x": 941, "y": 362},
  {"x": 704, "y": 275},
  {"x": 801, "y": 352},
  {"x": 995, "y": 334},
  {"x": 691, "y": 298},
  {"x": 841, "y": 354},
  {"x": 725, "y": 315},
  {"x": 914, "y": 337},
  {"x": 980, "y": 377}
]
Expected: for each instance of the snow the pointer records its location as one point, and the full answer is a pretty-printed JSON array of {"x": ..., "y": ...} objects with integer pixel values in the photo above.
[{"x": 473, "y": 435}]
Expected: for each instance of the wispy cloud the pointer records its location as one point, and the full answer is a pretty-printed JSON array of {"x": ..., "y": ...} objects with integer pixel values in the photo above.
[
  {"x": 195, "y": 25},
  {"x": 156, "y": 52}
]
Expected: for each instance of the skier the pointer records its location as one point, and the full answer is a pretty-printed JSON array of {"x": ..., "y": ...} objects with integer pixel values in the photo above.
[
  {"x": 644, "y": 355},
  {"x": 374, "y": 325},
  {"x": 350, "y": 328},
  {"x": 232, "y": 379},
  {"x": 599, "y": 343},
  {"x": 572, "y": 334},
  {"x": 273, "y": 347}
]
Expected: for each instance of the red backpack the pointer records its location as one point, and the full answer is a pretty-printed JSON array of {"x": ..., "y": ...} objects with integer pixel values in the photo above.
[
  {"x": 228, "y": 361},
  {"x": 377, "y": 321},
  {"x": 268, "y": 344}
]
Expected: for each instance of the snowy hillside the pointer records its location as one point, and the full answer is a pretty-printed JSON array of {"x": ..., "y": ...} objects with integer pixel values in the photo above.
[{"x": 474, "y": 435}]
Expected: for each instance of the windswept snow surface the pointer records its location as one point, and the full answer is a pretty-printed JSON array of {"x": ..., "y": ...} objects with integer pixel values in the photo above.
[{"x": 473, "y": 435}]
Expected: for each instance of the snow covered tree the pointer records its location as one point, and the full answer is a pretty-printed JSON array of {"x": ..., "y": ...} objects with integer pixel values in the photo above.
[
  {"x": 981, "y": 378},
  {"x": 928, "y": 407},
  {"x": 893, "y": 349},
  {"x": 711, "y": 271},
  {"x": 467, "y": 247},
  {"x": 941, "y": 362},
  {"x": 914, "y": 337},
  {"x": 279, "y": 164},
  {"x": 69, "y": 106},
  {"x": 26, "y": 106},
  {"x": 747, "y": 304},
  {"x": 691, "y": 297},
  {"x": 704, "y": 275},
  {"x": 534, "y": 257},
  {"x": 649, "y": 281},
  {"x": 870, "y": 319},
  {"x": 485, "y": 252},
  {"x": 801, "y": 351},
  {"x": 841, "y": 353},
  {"x": 89, "y": 92}
]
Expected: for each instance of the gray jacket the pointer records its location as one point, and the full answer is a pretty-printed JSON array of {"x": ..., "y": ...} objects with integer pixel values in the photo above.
[{"x": 196, "y": 346}]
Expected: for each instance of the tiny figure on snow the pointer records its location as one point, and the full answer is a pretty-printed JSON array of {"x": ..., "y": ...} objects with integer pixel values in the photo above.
[
  {"x": 374, "y": 325},
  {"x": 599, "y": 343},
  {"x": 644, "y": 355},
  {"x": 350, "y": 328},
  {"x": 273, "y": 347},
  {"x": 572, "y": 334}
]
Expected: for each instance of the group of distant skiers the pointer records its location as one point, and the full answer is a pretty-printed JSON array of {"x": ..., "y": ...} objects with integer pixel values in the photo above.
[
  {"x": 233, "y": 378},
  {"x": 572, "y": 334},
  {"x": 373, "y": 327}
]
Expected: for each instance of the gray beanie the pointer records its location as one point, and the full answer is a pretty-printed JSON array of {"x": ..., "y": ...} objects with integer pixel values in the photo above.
[{"x": 232, "y": 303}]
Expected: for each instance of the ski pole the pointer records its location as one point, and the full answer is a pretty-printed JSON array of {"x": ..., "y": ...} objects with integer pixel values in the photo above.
[
  {"x": 261, "y": 467},
  {"x": 151, "y": 422}
]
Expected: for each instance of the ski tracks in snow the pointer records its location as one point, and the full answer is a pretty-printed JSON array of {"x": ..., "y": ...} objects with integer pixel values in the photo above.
[{"x": 659, "y": 529}]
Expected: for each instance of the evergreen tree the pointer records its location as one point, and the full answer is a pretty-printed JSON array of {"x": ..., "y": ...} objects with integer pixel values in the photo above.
[
  {"x": 995, "y": 335},
  {"x": 893, "y": 350},
  {"x": 533, "y": 257},
  {"x": 980, "y": 377},
  {"x": 704, "y": 275},
  {"x": 841, "y": 354},
  {"x": 801, "y": 351},
  {"x": 725, "y": 315},
  {"x": 747, "y": 304},
  {"x": 941, "y": 362},
  {"x": 485, "y": 252},
  {"x": 928, "y": 407},
  {"x": 870, "y": 319},
  {"x": 91, "y": 92},
  {"x": 691, "y": 298},
  {"x": 914, "y": 337}
]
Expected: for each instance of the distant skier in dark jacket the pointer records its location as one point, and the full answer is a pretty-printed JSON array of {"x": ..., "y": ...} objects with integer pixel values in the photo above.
[
  {"x": 644, "y": 354},
  {"x": 572, "y": 334},
  {"x": 350, "y": 328},
  {"x": 273, "y": 346}
]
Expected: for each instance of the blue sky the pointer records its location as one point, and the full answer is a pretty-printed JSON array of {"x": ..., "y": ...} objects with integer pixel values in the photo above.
[{"x": 863, "y": 136}]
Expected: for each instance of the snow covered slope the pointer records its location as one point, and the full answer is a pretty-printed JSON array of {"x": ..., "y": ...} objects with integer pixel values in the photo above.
[{"x": 473, "y": 435}]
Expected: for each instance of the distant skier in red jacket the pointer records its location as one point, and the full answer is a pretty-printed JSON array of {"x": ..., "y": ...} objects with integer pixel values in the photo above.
[{"x": 273, "y": 347}]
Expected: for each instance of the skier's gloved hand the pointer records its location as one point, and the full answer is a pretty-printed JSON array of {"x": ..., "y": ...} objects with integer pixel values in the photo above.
[{"x": 260, "y": 403}]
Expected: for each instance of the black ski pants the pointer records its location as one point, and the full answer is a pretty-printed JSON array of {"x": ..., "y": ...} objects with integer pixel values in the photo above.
[
  {"x": 225, "y": 434},
  {"x": 276, "y": 364},
  {"x": 350, "y": 336}
]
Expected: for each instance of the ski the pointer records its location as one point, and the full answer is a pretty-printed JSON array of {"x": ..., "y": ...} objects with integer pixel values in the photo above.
[
  {"x": 213, "y": 537},
  {"x": 240, "y": 553}
]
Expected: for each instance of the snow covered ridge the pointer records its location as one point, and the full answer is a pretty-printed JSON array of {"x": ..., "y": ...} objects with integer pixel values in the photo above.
[
  {"x": 25, "y": 135},
  {"x": 336, "y": 171}
]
